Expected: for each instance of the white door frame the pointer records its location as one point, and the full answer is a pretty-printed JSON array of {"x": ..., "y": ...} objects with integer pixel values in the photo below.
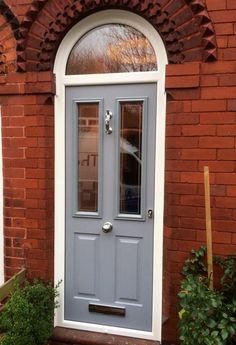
[{"x": 158, "y": 77}]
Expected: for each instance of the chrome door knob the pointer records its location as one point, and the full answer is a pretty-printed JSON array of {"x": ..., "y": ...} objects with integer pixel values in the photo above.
[{"x": 107, "y": 227}]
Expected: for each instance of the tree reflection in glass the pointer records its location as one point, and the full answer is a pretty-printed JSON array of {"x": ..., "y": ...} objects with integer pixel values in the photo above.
[
  {"x": 112, "y": 48},
  {"x": 131, "y": 157}
]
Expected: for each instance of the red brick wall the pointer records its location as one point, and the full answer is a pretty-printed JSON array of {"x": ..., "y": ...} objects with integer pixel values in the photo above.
[
  {"x": 27, "y": 138},
  {"x": 223, "y": 14},
  {"x": 200, "y": 130}
]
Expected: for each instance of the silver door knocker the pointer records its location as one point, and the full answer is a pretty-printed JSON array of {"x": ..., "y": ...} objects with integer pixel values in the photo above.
[{"x": 108, "y": 116}]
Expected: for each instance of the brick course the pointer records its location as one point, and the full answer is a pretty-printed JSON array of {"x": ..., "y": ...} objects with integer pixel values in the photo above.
[{"x": 201, "y": 129}]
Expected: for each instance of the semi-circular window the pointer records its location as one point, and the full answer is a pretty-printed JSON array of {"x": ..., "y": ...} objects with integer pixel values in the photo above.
[{"x": 112, "y": 48}]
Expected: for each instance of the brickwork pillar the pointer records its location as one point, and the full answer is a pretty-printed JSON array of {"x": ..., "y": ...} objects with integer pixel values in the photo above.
[{"x": 28, "y": 169}]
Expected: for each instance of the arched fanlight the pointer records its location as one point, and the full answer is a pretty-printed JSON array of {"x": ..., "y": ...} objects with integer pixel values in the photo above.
[{"x": 112, "y": 48}]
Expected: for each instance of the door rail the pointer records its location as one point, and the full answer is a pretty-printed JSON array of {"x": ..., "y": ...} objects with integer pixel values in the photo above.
[{"x": 8, "y": 287}]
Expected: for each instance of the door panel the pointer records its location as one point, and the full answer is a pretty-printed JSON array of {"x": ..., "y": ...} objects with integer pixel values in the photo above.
[
  {"x": 86, "y": 265},
  {"x": 128, "y": 254},
  {"x": 110, "y": 178}
]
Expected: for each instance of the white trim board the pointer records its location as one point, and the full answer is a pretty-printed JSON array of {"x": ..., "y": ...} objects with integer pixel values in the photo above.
[
  {"x": 101, "y": 18},
  {"x": 1, "y": 209}
]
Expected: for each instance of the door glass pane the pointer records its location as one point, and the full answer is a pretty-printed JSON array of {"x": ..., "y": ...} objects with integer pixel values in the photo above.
[
  {"x": 131, "y": 157},
  {"x": 88, "y": 150},
  {"x": 112, "y": 48}
]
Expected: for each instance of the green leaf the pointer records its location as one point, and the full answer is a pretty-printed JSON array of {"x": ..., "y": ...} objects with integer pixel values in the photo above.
[
  {"x": 231, "y": 329},
  {"x": 211, "y": 323},
  {"x": 224, "y": 334},
  {"x": 214, "y": 334},
  {"x": 181, "y": 313},
  {"x": 214, "y": 303}
]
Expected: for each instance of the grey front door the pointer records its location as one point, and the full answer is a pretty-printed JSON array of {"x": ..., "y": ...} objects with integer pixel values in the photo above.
[{"x": 110, "y": 149}]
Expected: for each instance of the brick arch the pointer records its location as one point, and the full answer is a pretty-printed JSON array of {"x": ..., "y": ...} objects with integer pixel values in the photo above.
[
  {"x": 184, "y": 25},
  {"x": 9, "y": 34}
]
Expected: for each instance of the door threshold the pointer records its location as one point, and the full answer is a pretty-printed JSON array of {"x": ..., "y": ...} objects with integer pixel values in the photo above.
[{"x": 64, "y": 336}]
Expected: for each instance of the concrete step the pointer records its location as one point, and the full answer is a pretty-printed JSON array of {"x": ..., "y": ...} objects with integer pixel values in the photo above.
[{"x": 65, "y": 336}]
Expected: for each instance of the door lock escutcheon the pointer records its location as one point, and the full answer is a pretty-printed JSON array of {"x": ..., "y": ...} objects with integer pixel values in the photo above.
[
  {"x": 108, "y": 116},
  {"x": 150, "y": 214}
]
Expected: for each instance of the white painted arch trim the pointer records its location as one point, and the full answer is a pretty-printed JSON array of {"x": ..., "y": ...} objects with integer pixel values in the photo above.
[{"x": 158, "y": 77}]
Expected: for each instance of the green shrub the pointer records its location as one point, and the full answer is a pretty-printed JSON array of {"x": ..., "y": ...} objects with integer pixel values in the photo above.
[
  {"x": 207, "y": 317},
  {"x": 27, "y": 317}
]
